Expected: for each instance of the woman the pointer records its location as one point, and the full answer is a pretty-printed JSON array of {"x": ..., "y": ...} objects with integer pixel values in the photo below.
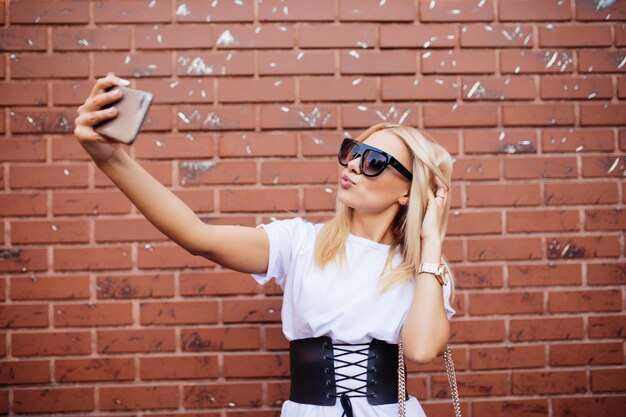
[{"x": 354, "y": 287}]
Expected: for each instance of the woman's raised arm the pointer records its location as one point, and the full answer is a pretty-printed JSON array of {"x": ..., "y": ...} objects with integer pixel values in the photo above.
[{"x": 244, "y": 249}]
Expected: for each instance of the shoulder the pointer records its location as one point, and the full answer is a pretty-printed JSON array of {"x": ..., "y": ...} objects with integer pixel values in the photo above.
[{"x": 297, "y": 231}]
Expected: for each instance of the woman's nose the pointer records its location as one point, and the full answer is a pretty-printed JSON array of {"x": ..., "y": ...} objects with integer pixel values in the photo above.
[{"x": 354, "y": 165}]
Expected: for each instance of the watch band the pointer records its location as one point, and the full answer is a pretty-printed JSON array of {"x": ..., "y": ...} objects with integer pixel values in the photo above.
[{"x": 435, "y": 269}]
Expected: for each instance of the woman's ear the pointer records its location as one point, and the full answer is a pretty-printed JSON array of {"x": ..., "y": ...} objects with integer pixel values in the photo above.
[{"x": 404, "y": 200}]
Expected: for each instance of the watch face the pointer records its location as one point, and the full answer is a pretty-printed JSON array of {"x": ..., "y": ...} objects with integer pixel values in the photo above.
[{"x": 445, "y": 274}]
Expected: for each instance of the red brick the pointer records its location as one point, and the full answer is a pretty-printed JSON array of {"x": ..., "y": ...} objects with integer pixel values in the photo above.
[
  {"x": 584, "y": 300},
  {"x": 299, "y": 172},
  {"x": 50, "y": 343},
  {"x": 31, "y": 372},
  {"x": 536, "y": 62},
  {"x": 187, "y": 367},
  {"x": 476, "y": 331},
  {"x": 506, "y": 303},
  {"x": 68, "y": 65},
  {"x": 559, "y": 88},
  {"x": 533, "y": 10},
  {"x": 92, "y": 315},
  {"x": 80, "y": 259},
  {"x": 96, "y": 370},
  {"x": 583, "y": 246},
  {"x": 470, "y": 223},
  {"x": 378, "y": 62},
  {"x": 17, "y": 316},
  {"x": 193, "y": 173},
  {"x": 41, "y": 121},
  {"x": 254, "y": 366},
  {"x": 544, "y": 220},
  {"x": 456, "y": 11},
  {"x": 538, "y": 114},
  {"x": 575, "y": 35},
  {"x": 588, "y": 192},
  {"x": 292, "y": 10},
  {"x": 601, "y": 60},
  {"x": 217, "y": 283},
  {"x": 266, "y": 89},
  {"x": 49, "y": 231},
  {"x": 606, "y": 274},
  {"x": 455, "y": 115},
  {"x": 488, "y": 88},
  {"x": 144, "y": 340},
  {"x": 364, "y": 115},
  {"x": 490, "y": 195},
  {"x": 82, "y": 39},
  {"x": 173, "y": 36},
  {"x": 492, "y": 141},
  {"x": 320, "y": 198},
  {"x": 418, "y": 36},
  {"x": 215, "y": 63},
  {"x": 23, "y": 204},
  {"x": 476, "y": 169},
  {"x": 45, "y": 12},
  {"x": 20, "y": 259},
  {"x": 50, "y": 288},
  {"x": 258, "y": 36},
  {"x": 246, "y": 200},
  {"x": 578, "y": 140},
  {"x": 553, "y": 382},
  {"x": 171, "y": 257},
  {"x": 23, "y": 39},
  {"x": 338, "y": 89},
  {"x": 138, "y": 397},
  {"x": 419, "y": 88},
  {"x": 135, "y": 64},
  {"x": 605, "y": 219},
  {"x": 140, "y": 286},
  {"x": 586, "y": 11},
  {"x": 275, "y": 338},
  {"x": 602, "y": 114},
  {"x": 546, "y": 329},
  {"x": 133, "y": 11},
  {"x": 298, "y": 117},
  {"x": 547, "y": 167},
  {"x": 220, "y": 338},
  {"x": 458, "y": 62},
  {"x": 203, "y": 11},
  {"x": 511, "y": 408},
  {"x": 508, "y": 357},
  {"x": 251, "y": 310},
  {"x": 220, "y": 395},
  {"x": 504, "y": 249},
  {"x": 324, "y": 35},
  {"x": 89, "y": 202},
  {"x": 608, "y": 380},
  {"x": 497, "y": 36},
  {"x": 48, "y": 176},
  {"x": 374, "y": 10},
  {"x": 478, "y": 276},
  {"x": 609, "y": 406},
  {"x": 295, "y": 62},
  {"x": 184, "y": 90},
  {"x": 42, "y": 400},
  {"x": 544, "y": 275},
  {"x": 613, "y": 326},
  {"x": 215, "y": 118},
  {"x": 472, "y": 385},
  {"x": 188, "y": 312},
  {"x": 22, "y": 149},
  {"x": 572, "y": 354},
  {"x": 604, "y": 166},
  {"x": 257, "y": 144}
]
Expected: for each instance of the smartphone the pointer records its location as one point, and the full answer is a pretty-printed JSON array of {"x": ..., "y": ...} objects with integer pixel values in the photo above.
[{"x": 131, "y": 112}]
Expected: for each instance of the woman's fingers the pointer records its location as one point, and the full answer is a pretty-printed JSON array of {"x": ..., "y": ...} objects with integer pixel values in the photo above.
[
  {"x": 94, "y": 100},
  {"x": 95, "y": 117},
  {"x": 441, "y": 188}
]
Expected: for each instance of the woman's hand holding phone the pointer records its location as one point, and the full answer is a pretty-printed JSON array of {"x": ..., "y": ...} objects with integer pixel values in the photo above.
[{"x": 90, "y": 113}]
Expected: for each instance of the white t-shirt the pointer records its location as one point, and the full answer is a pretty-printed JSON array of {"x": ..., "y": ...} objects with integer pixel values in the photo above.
[{"x": 343, "y": 304}]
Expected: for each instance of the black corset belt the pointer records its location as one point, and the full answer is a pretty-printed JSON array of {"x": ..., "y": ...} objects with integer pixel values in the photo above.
[{"x": 315, "y": 379}]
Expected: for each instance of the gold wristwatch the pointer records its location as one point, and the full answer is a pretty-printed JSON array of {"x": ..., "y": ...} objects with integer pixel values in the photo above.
[{"x": 440, "y": 271}]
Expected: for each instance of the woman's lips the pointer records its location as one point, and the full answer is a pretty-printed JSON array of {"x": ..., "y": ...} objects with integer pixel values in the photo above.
[{"x": 345, "y": 182}]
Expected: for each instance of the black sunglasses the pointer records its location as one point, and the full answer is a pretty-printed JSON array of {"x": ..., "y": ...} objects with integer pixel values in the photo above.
[{"x": 373, "y": 160}]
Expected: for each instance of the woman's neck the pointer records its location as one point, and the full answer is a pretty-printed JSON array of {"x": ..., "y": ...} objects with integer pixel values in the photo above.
[{"x": 373, "y": 226}]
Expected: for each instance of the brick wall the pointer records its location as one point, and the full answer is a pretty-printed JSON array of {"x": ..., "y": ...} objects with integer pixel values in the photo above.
[{"x": 102, "y": 314}]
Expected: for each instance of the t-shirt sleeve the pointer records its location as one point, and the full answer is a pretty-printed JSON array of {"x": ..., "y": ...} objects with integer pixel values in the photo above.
[
  {"x": 447, "y": 291},
  {"x": 284, "y": 238}
]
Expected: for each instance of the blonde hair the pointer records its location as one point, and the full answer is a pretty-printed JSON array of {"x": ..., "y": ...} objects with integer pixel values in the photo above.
[{"x": 429, "y": 159}]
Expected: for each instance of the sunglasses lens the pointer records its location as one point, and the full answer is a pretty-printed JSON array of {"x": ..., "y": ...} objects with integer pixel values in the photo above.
[
  {"x": 345, "y": 153},
  {"x": 374, "y": 163}
]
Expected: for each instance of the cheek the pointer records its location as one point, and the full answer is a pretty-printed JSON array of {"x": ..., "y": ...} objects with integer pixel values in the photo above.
[{"x": 368, "y": 195}]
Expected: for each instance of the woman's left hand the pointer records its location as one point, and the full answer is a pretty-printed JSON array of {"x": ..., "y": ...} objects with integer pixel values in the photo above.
[{"x": 433, "y": 218}]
